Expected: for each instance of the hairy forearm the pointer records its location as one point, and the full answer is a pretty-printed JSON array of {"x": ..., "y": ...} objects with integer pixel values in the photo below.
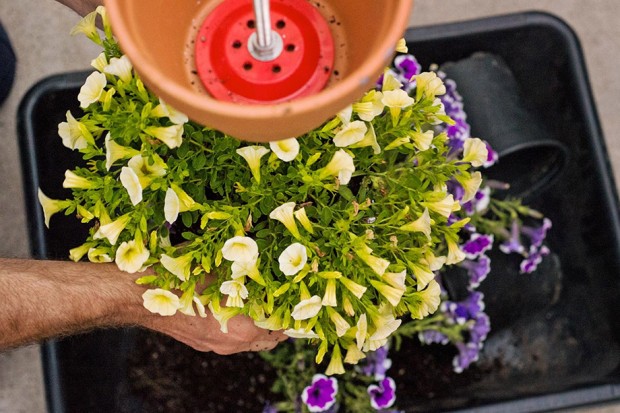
[
  {"x": 82, "y": 7},
  {"x": 50, "y": 298}
]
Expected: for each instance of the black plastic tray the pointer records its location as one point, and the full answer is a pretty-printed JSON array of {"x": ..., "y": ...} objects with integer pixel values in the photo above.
[{"x": 86, "y": 373}]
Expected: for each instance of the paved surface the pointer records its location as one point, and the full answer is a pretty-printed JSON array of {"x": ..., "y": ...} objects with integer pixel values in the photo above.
[{"x": 39, "y": 30}]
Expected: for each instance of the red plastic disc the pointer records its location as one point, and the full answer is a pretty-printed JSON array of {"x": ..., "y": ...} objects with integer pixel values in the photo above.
[{"x": 228, "y": 70}]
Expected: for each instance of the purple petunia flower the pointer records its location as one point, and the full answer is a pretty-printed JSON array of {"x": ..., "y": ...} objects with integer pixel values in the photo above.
[
  {"x": 269, "y": 408},
  {"x": 513, "y": 244},
  {"x": 477, "y": 270},
  {"x": 535, "y": 256},
  {"x": 321, "y": 394},
  {"x": 537, "y": 234},
  {"x": 492, "y": 156},
  {"x": 468, "y": 353},
  {"x": 377, "y": 363},
  {"x": 383, "y": 395},
  {"x": 407, "y": 67},
  {"x": 433, "y": 336},
  {"x": 479, "y": 203},
  {"x": 477, "y": 245},
  {"x": 480, "y": 329},
  {"x": 456, "y": 189}
]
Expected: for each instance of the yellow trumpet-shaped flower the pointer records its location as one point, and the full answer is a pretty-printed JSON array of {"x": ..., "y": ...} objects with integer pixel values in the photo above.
[
  {"x": 370, "y": 106},
  {"x": 171, "y": 135},
  {"x": 422, "y": 140},
  {"x": 252, "y": 155},
  {"x": 370, "y": 139},
  {"x": 393, "y": 295},
  {"x": 351, "y": 133},
  {"x": 115, "y": 152},
  {"x": 342, "y": 326},
  {"x": 422, "y": 224},
  {"x": 475, "y": 151},
  {"x": 87, "y": 27},
  {"x": 303, "y": 219},
  {"x": 147, "y": 169},
  {"x": 429, "y": 84},
  {"x": 240, "y": 249},
  {"x": 345, "y": 115},
  {"x": 92, "y": 89},
  {"x": 285, "y": 214},
  {"x": 76, "y": 254},
  {"x": 223, "y": 315},
  {"x": 163, "y": 110},
  {"x": 236, "y": 292},
  {"x": 378, "y": 264},
  {"x": 335, "y": 364},
  {"x": 100, "y": 62},
  {"x": 249, "y": 268},
  {"x": 341, "y": 165},
  {"x": 445, "y": 206},
  {"x": 470, "y": 185},
  {"x": 171, "y": 206},
  {"x": 74, "y": 134},
  {"x": 293, "y": 259},
  {"x": 112, "y": 230},
  {"x": 179, "y": 266},
  {"x": 329, "y": 298},
  {"x": 72, "y": 180},
  {"x": 390, "y": 82},
  {"x": 396, "y": 100},
  {"x": 300, "y": 333},
  {"x": 50, "y": 206},
  {"x": 401, "y": 46},
  {"x": 356, "y": 289},
  {"x": 396, "y": 279},
  {"x": 131, "y": 183},
  {"x": 425, "y": 302},
  {"x": 307, "y": 308},
  {"x": 455, "y": 254},
  {"x": 362, "y": 331},
  {"x": 161, "y": 302},
  {"x": 99, "y": 255},
  {"x": 354, "y": 355},
  {"x": 131, "y": 256},
  {"x": 422, "y": 273},
  {"x": 120, "y": 67},
  {"x": 285, "y": 149}
]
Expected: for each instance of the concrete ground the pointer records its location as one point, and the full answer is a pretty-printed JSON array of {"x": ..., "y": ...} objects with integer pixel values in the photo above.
[{"x": 39, "y": 31}]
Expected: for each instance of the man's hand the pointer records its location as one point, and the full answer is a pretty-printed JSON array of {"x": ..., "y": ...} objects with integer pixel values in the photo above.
[
  {"x": 43, "y": 299},
  {"x": 204, "y": 334}
]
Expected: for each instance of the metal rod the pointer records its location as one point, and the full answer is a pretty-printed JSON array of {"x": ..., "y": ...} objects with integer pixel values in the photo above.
[
  {"x": 265, "y": 44},
  {"x": 263, "y": 23}
]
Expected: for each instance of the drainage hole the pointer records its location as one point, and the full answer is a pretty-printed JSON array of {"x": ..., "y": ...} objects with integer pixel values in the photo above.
[
  {"x": 236, "y": 44},
  {"x": 280, "y": 24},
  {"x": 276, "y": 69},
  {"x": 290, "y": 47},
  {"x": 247, "y": 66},
  {"x": 250, "y": 24}
]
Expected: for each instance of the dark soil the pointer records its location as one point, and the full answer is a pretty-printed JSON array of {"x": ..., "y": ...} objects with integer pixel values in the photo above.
[
  {"x": 167, "y": 376},
  {"x": 171, "y": 377}
]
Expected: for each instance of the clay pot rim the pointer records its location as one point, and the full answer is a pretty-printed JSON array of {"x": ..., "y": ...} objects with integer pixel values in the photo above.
[{"x": 205, "y": 103}]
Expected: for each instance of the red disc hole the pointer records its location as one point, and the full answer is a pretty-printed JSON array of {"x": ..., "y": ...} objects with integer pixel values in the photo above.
[
  {"x": 290, "y": 47},
  {"x": 280, "y": 24},
  {"x": 236, "y": 44},
  {"x": 247, "y": 66},
  {"x": 276, "y": 69},
  {"x": 250, "y": 24}
]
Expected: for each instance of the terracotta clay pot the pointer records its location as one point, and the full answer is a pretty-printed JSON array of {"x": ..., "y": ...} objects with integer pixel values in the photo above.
[{"x": 159, "y": 39}]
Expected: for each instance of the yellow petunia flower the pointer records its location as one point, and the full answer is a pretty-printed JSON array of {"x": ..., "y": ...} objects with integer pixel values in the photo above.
[{"x": 161, "y": 302}]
